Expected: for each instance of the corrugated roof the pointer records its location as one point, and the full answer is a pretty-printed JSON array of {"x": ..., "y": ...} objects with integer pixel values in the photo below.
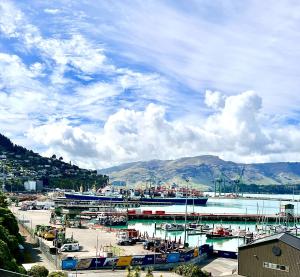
[{"x": 284, "y": 237}]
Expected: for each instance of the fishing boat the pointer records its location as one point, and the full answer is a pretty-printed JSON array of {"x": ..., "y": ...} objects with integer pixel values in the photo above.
[
  {"x": 219, "y": 233},
  {"x": 242, "y": 233},
  {"x": 198, "y": 227},
  {"x": 109, "y": 220},
  {"x": 172, "y": 227}
]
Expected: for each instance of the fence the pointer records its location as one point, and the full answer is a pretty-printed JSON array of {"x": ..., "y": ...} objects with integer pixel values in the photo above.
[
  {"x": 46, "y": 250},
  {"x": 153, "y": 260},
  {"x": 226, "y": 254}
]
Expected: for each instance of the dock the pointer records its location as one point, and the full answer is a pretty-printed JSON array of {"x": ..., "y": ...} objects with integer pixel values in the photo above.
[
  {"x": 147, "y": 215},
  {"x": 232, "y": 217}
]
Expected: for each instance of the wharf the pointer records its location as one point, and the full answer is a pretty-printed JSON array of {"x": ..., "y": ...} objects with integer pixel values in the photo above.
[{"x": 210, "y": 217}]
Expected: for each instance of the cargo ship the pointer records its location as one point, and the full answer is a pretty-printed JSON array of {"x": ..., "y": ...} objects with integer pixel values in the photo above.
[{"x": 146, "y": 197}]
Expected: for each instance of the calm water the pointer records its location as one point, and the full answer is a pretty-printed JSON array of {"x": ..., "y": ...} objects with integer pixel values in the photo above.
[{"x": 250, "y": 206}]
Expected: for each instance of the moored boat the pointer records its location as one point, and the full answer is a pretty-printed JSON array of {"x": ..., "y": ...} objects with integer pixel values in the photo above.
[
  {"x": 172, "y": 227},
  {"x": 219, "y": 233}
]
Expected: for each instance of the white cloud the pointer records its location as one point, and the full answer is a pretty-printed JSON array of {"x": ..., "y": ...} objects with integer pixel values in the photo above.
[
  {"x": 10, "y": 18},
  {"x": 52, "y": 11},
  {"x": 233, "y": 132},
  {"x": 103, "y": 84},
  {"x": 230, "y": 47},
  {"x": 214, "y": 99}
]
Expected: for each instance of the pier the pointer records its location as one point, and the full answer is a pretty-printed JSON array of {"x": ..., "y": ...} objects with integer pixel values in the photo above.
[
  {"x": 161, "y": 215},
  {"x": 208, "y": 216}
]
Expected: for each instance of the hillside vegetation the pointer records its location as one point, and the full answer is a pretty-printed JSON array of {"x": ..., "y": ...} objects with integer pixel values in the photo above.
[
  {"x": 10, "y": 255},
  {"x": 17, "y": 164},
  {"x": 203, "y": 171}
]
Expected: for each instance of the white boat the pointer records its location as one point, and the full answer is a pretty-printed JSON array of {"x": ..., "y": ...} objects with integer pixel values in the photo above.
[{"x": 172, "y": 227}]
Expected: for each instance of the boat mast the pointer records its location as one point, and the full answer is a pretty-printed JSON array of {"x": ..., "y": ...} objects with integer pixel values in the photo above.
[{"x": 185, "y": 216}]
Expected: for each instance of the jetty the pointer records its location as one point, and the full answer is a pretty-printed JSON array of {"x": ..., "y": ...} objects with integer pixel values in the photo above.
[{"x": 162, "y": 215}]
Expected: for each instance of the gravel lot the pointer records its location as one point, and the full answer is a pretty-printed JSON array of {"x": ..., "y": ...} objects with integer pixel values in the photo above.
[{"x": 87, "y": 237}]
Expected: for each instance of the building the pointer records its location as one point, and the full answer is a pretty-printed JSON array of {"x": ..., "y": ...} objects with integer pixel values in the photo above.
[
  {"x": 277, "y": 255},
  {"x": 33, "y": 185}
]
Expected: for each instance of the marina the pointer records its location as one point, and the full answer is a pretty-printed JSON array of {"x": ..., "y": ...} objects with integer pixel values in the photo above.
[
  {"x": 248, "y": 215},
  {"x": 93, "y": 235}
]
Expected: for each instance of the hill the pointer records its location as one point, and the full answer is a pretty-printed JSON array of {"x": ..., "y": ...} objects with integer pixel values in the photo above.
[
  {"x": 17, "y": 164},
  {"x": 204, "y": 170}
]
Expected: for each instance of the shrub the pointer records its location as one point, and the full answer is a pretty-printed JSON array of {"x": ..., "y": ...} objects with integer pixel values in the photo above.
[
  {"x": 38, "y": 271},
  {"x": 191, "y": 270}
]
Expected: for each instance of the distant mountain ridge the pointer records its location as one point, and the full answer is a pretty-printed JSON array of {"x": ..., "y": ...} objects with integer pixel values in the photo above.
[{"x": 203, "y": 170}]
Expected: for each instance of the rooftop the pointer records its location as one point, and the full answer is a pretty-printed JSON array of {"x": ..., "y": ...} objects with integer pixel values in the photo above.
[{"x": 284, "y": 237}]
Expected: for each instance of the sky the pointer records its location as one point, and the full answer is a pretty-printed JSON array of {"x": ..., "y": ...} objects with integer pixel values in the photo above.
[{"x": 102, "y": 83}]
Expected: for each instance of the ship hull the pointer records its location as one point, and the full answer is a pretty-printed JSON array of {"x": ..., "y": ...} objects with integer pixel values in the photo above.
[
  {"x": 176, "y": 201},
  {"x": 142, "y": 200}
]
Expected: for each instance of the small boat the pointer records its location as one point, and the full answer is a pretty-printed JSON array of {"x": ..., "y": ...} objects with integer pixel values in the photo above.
[
  {"x": 111, "y": 220},
  {"x": 219, "y": 233},
  {"x": 198, "y": 227},
  {"x": 172, "y": 227}
]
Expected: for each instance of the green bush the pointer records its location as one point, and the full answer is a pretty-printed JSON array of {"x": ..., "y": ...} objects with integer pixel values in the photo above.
[
  {"x": 38, "y": 271},
  {"x": 191, "y": 270}
]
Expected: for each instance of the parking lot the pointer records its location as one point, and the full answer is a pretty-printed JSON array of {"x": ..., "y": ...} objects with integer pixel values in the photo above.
[{"x": 90, "y": 240}]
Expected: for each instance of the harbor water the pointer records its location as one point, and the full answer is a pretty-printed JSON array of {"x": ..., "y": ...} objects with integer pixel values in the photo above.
[{"x": 219, "y": 206}]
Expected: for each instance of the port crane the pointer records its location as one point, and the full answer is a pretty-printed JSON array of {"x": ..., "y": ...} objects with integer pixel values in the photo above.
[{"x": 220, "y": 182}]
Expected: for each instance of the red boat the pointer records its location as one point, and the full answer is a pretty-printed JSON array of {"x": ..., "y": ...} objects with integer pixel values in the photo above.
[{"x": 219, "y": 233}]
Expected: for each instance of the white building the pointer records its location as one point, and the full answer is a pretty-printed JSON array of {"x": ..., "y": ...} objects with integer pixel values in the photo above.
[{"x": 33, "y": 185}]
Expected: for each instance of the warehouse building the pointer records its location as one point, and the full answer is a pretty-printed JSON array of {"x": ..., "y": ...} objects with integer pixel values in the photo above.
[{"x": 277, "y": 255}]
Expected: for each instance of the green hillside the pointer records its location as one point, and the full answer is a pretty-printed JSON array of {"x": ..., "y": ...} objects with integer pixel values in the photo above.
[
  {"x": 17, "y": 164},
  {"x": 203, "y": 171}
]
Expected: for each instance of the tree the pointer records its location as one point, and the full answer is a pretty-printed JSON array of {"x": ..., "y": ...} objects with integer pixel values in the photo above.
[
  {"x": 57, "y": 274},
  {"x": 38, "y": 271},
  {"x": 3, "y": 200}
]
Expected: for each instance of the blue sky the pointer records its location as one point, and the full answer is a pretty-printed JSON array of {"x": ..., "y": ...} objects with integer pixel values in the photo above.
[{"x": 107, "y": 82}]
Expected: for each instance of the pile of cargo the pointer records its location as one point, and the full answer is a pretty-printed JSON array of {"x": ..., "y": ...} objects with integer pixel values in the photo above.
[
  {"x": 58, "y": 236},
  {"x": 47, "y": 232}
]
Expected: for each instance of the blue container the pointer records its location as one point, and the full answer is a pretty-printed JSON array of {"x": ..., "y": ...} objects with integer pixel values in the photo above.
[{"x": 69, "y": 263}]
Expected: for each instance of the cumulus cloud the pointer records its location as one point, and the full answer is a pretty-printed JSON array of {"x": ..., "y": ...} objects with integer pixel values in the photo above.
[
  {"x": 233, "y": 132},
  {"x": 214, "y": 99}
]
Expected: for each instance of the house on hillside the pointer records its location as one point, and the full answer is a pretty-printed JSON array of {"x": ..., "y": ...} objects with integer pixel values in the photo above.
[{"x": 277, "y": 255}]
